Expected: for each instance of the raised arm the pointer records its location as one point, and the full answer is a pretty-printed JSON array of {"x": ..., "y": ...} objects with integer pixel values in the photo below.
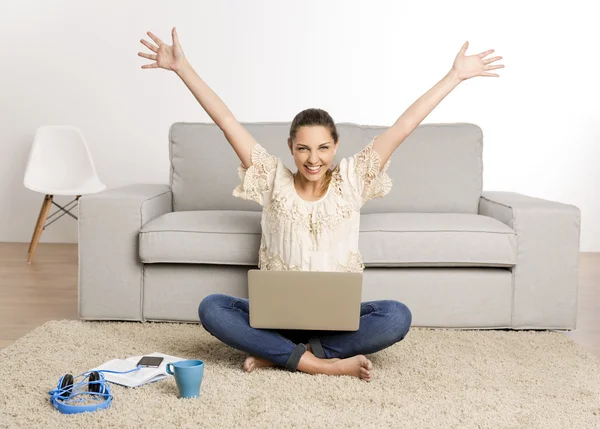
[
  {"x": 171, "y": 57},
  {"x": 464, "y": 67}
]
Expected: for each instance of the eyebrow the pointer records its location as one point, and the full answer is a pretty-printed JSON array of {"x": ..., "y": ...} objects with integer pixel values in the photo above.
[{"x": 299, "y": 144}]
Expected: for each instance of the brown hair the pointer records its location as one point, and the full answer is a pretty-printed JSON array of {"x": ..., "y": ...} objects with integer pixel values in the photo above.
[{"x": 315, "y": 117}]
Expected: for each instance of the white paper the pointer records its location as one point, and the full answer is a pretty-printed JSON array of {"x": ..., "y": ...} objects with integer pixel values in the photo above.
[{"x": 139, "y": 377}]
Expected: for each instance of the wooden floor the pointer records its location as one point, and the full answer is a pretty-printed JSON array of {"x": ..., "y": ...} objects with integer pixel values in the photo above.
[{"x": 47, "y": 290}]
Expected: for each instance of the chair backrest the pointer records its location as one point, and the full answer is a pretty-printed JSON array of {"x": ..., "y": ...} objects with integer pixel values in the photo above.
[
  {"x": 438, "y": 168},
  {"x": 59, "y": 159}
]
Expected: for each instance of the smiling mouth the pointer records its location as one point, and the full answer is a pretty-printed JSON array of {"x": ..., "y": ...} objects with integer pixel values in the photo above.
[{"x": 313, "y": 170}]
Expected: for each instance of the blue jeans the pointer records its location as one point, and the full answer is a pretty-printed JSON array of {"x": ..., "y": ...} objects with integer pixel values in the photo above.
[{"x": 382, "y": 323}]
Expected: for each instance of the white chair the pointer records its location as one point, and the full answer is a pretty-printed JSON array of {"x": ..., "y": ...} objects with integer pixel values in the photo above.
[{"x": 59, "y": 163}]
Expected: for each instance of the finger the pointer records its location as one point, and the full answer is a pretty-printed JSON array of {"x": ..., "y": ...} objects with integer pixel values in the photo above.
[
  {"x": 491, "y": 60},
  {"x": 149, "y": 45},
  {"x": 490, "y": 74},
  {"x": 155, "y": 38},
  {"x": 483, "y": 54},
  {"x": 499, "y": 66},
  {"x": 175, "y": 38},
  {"x": 150, "y": 66},
  {"x": 149, "y": 56}
]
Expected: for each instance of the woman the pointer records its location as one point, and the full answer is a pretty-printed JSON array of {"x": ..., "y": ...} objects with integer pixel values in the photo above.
[{"x": 310, "y": 220}]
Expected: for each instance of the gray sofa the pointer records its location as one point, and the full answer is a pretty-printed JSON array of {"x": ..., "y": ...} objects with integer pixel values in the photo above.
[{"x": 457, "y": 256}]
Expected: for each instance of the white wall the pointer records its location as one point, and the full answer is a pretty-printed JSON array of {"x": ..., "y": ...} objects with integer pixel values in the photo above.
[{"x": 75, "y": 62}]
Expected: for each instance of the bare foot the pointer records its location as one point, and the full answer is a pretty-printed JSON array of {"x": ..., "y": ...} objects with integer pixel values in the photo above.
[
  {"x": 356, "y": 366},
  {"x": 252, "y": 362}
]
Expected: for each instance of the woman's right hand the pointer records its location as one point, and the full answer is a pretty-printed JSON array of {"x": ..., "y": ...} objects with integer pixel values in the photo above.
[{"x": 168, "y": 57}]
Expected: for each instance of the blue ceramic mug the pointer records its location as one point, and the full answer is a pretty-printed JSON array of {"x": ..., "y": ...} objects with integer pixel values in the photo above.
[{"x": 188, "y": 376}]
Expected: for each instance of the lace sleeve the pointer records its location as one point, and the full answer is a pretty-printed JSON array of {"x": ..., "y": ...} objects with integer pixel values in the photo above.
[
  {"x": 364, "y": 176},
  {"x": 257, "y": 180}
]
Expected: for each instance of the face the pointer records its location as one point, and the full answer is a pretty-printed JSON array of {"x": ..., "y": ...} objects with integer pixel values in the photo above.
[{"x": 313, "y": 147}]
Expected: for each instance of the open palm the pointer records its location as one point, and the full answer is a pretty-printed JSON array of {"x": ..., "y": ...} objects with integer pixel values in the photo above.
[
  {"x": 470, "y": 66},
  {"x": 168, "y": 57}
]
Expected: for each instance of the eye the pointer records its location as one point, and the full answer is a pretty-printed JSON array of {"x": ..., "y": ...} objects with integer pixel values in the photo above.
[{"x": 324, "y": 147}]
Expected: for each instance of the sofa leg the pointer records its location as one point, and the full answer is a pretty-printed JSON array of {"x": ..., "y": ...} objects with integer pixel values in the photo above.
[{"x": 39, "y": 227}]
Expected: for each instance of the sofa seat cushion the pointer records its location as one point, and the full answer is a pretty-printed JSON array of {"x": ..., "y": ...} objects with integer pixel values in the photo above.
[
  {"x": 202, "y": 237},
  {"x": 436, "y": 239},
  {"x": 232, "y": 237}
]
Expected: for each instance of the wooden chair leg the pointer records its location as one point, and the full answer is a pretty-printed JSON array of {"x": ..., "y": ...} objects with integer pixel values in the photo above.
[{"x": 39, "y": 227}]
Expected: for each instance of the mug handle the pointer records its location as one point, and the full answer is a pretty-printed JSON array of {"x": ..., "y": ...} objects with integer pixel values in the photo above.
[{"x": 169, "y": 371}]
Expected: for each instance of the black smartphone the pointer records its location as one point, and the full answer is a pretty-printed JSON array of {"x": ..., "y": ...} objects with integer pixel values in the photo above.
[{"x": 150, "y": 361}]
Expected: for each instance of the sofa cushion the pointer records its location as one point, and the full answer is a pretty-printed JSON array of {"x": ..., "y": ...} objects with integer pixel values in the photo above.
[
  {"x": 436, "y": 239},
  {"x": 207, "y": 237},
  {"x": 437, "y": 169},
  {"x": 232, "y": 237}
]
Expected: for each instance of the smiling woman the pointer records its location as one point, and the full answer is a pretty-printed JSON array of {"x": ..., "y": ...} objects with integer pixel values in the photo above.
[{"x": 310, "y": 219}]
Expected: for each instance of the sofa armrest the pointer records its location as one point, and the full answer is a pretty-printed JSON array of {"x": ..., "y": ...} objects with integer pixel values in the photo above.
[
  {"x": 110, "y": 270},
  {"x": 545, "y": 278}
]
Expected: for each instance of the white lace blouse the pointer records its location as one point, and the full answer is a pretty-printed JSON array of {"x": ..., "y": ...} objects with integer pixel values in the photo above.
[{"x": 320, "y": 235}]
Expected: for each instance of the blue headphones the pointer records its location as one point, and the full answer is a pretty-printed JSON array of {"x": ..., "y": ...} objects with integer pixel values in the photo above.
[{"x": 97, "y": 388}]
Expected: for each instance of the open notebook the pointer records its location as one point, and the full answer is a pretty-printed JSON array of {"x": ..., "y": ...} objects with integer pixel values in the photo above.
[{"x": 136, "y": 378}]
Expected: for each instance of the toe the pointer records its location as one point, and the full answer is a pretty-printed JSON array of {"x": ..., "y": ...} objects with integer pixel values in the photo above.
[{"x": 249, "y": 364}]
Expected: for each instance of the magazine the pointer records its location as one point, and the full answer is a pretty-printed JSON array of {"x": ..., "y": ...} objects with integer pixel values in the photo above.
[{"x": 139, "y": 377}]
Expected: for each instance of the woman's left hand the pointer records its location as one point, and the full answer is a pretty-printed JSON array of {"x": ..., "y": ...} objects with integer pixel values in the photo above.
[{"x": 466, "y": 67}]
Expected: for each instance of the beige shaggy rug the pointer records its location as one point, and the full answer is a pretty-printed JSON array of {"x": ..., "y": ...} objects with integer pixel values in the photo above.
[{"x": 432, "y": 379}]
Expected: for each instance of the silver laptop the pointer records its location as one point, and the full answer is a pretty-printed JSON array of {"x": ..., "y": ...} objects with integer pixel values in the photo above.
[{"x": 308, "y": 300}]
